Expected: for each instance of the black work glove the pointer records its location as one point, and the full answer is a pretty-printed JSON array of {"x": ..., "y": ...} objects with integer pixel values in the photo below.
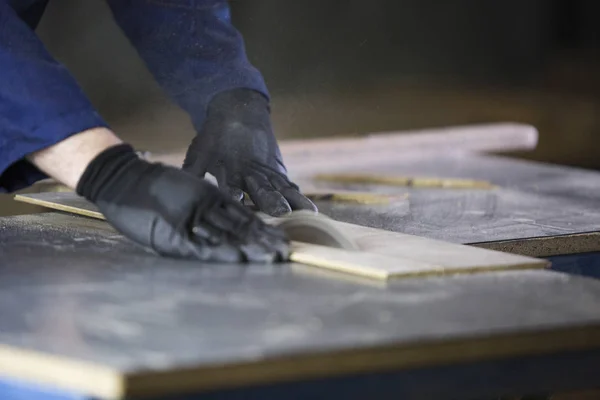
[
  {"x": 237, "y": 146},
  {"x": 175, "y": 213}
]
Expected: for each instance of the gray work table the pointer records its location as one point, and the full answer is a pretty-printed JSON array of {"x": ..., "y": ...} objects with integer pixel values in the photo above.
[
  {"x": 73, "y": 289},
  {"x": 85, "y": 294},
  {"x": 538, "y": 209}
]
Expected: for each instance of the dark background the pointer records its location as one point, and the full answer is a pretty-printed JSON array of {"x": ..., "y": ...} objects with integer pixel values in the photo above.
[
  {"x": 349, "y": 67},
  {"x": 343, "y": 67}
]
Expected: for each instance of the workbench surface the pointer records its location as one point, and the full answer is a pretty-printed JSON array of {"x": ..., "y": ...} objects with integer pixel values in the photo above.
[
  {"x": 85, "y": 310},
  {"x": 117, "y": 320},
  {"x": 538, "y": 209}
]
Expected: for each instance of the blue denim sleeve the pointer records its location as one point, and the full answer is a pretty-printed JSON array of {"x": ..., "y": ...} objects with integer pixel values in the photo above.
[
  {"x": 191, "y": 48},
  {"x": 40, "y": 103}
]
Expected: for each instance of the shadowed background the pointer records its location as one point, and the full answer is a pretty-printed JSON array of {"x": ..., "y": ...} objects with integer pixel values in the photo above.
[{"x": 352, "y": 67}]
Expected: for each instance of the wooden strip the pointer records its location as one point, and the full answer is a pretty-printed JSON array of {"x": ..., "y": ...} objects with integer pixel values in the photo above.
[
  {"x": 423, "y": 182},
  {"x": 347, "y": 196},
  {"x": 474, "y": 138},
  {"x": 60, "y": 201},
  {"x": 383, "y": 255},
  {"x": 306, "y": 157}
]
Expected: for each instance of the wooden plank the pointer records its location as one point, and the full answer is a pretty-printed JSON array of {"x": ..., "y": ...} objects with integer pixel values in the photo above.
[
  {"x": 393, "y": 263},
  {"x": 383, "y": 255},
  {"x": 62, "y": 201},
  {"x": 308, "y": 157},
  {"x": 354, "y": 197},
  {"x": 468, "y": 138},
  {"x": 86, "y": 310},
  {"x": 404, "y": 181}
]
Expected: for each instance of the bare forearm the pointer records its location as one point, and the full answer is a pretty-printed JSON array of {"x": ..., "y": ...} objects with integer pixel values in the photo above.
[{"x": 67, "y": 160}]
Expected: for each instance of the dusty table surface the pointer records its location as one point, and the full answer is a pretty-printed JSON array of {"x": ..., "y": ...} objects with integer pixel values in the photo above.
[
  {"x": 131, "y": 323},
  {"x": 537, "y": 210}
]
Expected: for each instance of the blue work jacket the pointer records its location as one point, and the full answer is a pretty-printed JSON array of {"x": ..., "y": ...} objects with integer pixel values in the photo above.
[{"x": 190, "y": 46}]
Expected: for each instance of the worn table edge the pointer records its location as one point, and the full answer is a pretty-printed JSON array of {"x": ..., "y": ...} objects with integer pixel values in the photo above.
[
  {"x": 100, "y": 381},
  {"x": 546, "y": 246}
]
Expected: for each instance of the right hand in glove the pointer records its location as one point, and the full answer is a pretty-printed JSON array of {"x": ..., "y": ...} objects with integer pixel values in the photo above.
[{"x": 175, "y": 213}]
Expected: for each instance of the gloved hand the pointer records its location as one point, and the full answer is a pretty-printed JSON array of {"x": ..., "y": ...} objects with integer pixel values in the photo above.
[
  {"x": 175, "y": 213},
  {"x": 237, "y": 146}
]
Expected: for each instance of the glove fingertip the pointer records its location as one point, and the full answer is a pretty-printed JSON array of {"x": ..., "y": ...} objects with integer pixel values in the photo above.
[
  {"x": 271, "y": 202},
  {"x": 281, "y": 209},
  {"x": 307, "y": 204},
  {"x": 300, "y": 202}
]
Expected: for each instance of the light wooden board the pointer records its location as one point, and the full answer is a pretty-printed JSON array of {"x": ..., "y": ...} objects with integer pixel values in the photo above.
[
  {"x": 305, "y": 158},
  {"x": 355, "y": 197},
  {"x": 408, "y": 181},
  {"x": 62, "y": 201},
  {"x": 394, "y": 264},
  {"x": 384, "y": 255},
  {"x": 504, "y": 136}
]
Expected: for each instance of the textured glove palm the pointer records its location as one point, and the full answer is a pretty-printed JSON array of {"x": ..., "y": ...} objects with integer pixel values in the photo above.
[
  {"x": 237, "y": 146},
  {"x": 175, "y": 213}
]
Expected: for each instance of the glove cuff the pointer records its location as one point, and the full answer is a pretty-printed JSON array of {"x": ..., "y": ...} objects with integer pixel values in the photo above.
[
  {"x": 241, "y": 100},
  {"x": 102, "y": 169}
]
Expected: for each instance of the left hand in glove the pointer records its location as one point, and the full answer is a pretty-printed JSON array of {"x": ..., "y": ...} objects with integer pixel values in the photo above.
[{"x": 237, "y": 146}]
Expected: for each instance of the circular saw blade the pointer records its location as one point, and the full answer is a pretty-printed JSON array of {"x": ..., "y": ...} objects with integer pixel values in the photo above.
[{"x": 313, "y": 228}]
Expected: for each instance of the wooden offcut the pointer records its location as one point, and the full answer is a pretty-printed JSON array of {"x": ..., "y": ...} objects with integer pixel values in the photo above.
[
  {"x": 409, "y": 181},
  {"x": 355, "y": 197},
  {"x": 62, "y": 201}
]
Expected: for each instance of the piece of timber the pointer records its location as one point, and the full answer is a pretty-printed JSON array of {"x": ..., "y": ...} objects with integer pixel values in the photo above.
[
  {"x": 408, "y": 181},
  {"x": 308, "y": 157},
  {"x": 86, "y": 310},
  {"x": 354, "y": 197},
  {"x": 62, "y": 201},
  {"x": 381, "y": 255},
  {"x": 495, "y": 137}
]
